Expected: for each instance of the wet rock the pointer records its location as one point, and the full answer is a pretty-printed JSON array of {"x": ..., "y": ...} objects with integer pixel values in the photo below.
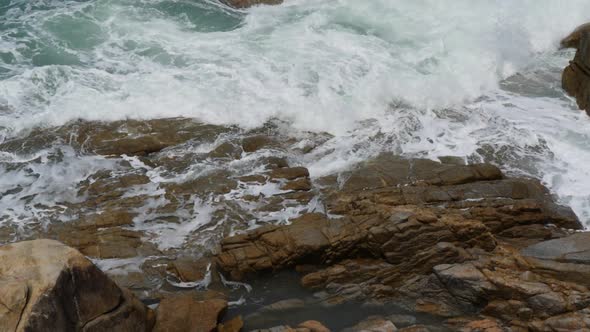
[
  {"x": 289, "y": 173},
  {"x": 255, "y": 143},
  {"x": 129, "y": 137},
  {"x": 452, "y": 160},
  {"x": 249, "y": 3},
  {"x": 226, "y": 150},
  {"x": 313, "y": 326},
  {"x": 275, "y": 162},
  {"x": 233, "y": 325},
  {"x": 184, "y": 313},
  {"x": 103, "y": 241},
  {"x": 141, "y": 137},
  {"x": 402, "y": 320},
  {"x": 216, "y": 182},
  {"x": 269, "y": 314},
  {"x": 281, "y": 328},
  {"x": 373, "y": 324},
  {"x": 387, "y": 170},
  {"x": 438, "y": 239},
  {"x": 484, "y": 325},
  {"x": 415, "y": 328},
  {"x": 188, "y": 270},
  {"x": 576, "y": 76},
  {"x": 301, "y": 184},
  {"x": 46, "y": 285},
  {"x": 476, "y": 192},
  {"x": 255, "y": 178},
  {"x": 101, "y": 237}
]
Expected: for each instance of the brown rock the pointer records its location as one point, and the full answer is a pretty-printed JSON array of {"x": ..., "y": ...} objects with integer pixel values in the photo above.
[
  {"x": 46, "y": 285},
  {"x": 373, "y": 324},
  {"x": 441, "y": 239},
  {"x": 484, "y": 325},
  {"x": 567, "y": 258},
  {"x": 301, "y": 184},
  {"x": 255, "y": 143},
  {"x": 226, "y": 150},
  {"x": 289, "y": 173},
  {"x": 576, "y": 77},
  {"x": 184, "y": 313},
  {"x": 314, "y": 326},
  {"x": 233, "y": 325},
  {"x": 188, "y": 270},
  {"x": 387, "y": 170},
  {"x": 130, "y": 137}
]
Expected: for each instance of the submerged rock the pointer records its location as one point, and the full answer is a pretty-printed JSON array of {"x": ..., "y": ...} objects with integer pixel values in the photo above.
[
  {"x": 47, "y": 286},
  {"x": 576, "y": 76},
  {"x": 233, "y": 325},
  {"x": 249, "y": 3},
  {"x": 373, "y": 324}
]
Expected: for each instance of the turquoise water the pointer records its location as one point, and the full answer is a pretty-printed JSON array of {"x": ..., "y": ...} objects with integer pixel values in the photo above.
[{"x": 421, "y": 78}]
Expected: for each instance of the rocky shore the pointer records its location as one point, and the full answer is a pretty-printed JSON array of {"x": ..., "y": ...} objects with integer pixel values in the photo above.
[
  {"x": 406, "y": 244},
  {"x": 195, "y": 227}
]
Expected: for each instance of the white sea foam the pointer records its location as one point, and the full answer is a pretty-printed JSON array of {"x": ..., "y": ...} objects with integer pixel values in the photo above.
[{"x": 422, "y": 78}]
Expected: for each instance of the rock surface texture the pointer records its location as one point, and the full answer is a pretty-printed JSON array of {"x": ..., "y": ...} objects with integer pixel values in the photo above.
[
  {"x": 576, "y": 77},
  {"x": 463, "y": 243},
  {"x": 47, "y": 286}
]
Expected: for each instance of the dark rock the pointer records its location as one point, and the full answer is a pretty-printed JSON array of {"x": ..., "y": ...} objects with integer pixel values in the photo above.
[
  {"x": 301, "y": 184},
  {"x": 571, "y": 249},
  {"x": 576, "y": 76},
  {"x": 402, "y": 320},
  {"x": 255, "y": 143},
  {"x": 226, "y": 150},
  {"x": 249, "y": 3},
  {"x": 568, "y": 257},
  {"x": 289, "y": 173},
  {"x": 233, "y": 325}
]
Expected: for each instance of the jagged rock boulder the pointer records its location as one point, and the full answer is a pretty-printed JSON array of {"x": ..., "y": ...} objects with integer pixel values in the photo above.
[
  {"x": 576, "y": 76},
  {"x": 47, "y": 286}
]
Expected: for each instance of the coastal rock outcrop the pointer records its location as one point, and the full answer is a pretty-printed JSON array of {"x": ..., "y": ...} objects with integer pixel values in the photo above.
[
  {"x": 397, "y": 210},
  {"x": 576, "y": 76},
  {"x": 439, "y": 239},
  {"x": 47, "y": 286}
]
